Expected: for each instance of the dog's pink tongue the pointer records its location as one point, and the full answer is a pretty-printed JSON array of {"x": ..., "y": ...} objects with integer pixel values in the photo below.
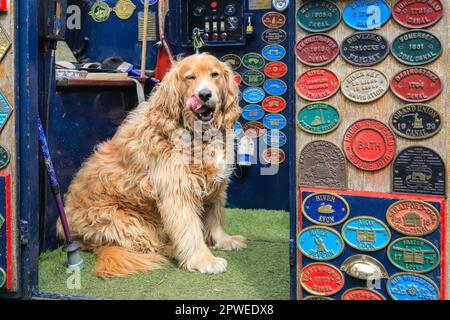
[{"x": 194, "y": 103}]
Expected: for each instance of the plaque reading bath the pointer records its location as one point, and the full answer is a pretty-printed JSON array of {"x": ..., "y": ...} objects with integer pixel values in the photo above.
[
  {"x": 365, "y": 85},
  {"x": 318, "y": 118},
  {"x": 419, "y": 170},
  {"x": 416, "y": 47},
  {"x": 364, "y": 48},
  {"x": 322, "y": 165},
  {"x": 318, "y": 16}
]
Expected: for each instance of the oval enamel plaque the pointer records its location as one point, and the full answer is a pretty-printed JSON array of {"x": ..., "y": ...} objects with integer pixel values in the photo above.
[
  {"x": 325, "y": 209},
  {"x": 233, "y": 60},
  {"x": 366, "y": 233},
  {"x": 318, "y": 118},
  {"x": 4, "y": 157},
  {"x": 275, "y": 87},
  {"x": 254, "y": 129},
  {"x": 317, "y": 50},
  {"x": 253, "y": 61},
  {"x": 253, "y": 95},
  {"x": 413, "y": 217},
  {"x": 369, "y": 145},
  {"x": 365, "y": 85},
  {"x": 275, "y": 138},
  {"x": 273, "y": 52},
  {"x": 410, "y": 286},
  {"x": 274, "y": 104},
  {"x": 318, "y": 16},
  {"x": 320, "y": 243},
  {"x": 416, "y": 47},
  {"x": 274, "y": 156},
  {"x": 253, "y": 78},
  {"x": 274, "y": 36},
  {"x": 416, "y": 14},
  {"x": 317, "y": 84},
  {"x": 362, "y": 294},
  {"x": 273, "y": 20},
  {"x": 252, "y": 112},
  {"x": 413, "y": 254},
  {"x": 416, "y": 85},
  {"x": 364, "y": 48},
  {"x": 321, "y": 279},
  {"x": 365, "y": 15},
  {"x": 275, "y": 121},
  {"x": 275, "y": 69}
]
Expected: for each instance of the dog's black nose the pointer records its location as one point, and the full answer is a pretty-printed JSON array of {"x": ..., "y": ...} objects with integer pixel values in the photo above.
[{"x": 205, "y": 95}]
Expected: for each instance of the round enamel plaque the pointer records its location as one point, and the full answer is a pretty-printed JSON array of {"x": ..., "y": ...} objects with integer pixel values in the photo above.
[
  {"x": 366, "y": 233},
  {"x": 253, "y": 95},
  {"x": 317, "y": 50},
  {"x": 365, "y": 85},
  {"x": 318, "y": 118},
  {"x": 416, "y": 121},
  {"x": 100, "y": 11},
  {"x": 253, "y": 61},
  {"x": 362, "y": 294},
  {"x": 366, "y": 15},
  {"x": 4, "y": 157},
  {"x": 317, "y": 84},
  {"x": 274, "y": 156},
  {"x": 275, "y": 138},
  {"x": 275, "y": 87},
  {"x": 364, "y": 48},
  {"x": 321, "y": 279},
  {"x": 274, "y": 36},
  {"x": 233, "y": 60},
  {"x": 416, "y": 85},
  {"x": 416, "y": 47},
  {"x": 273, "y": 20},
  {"x": 369, "y": 145},
  {"x": 273, "y": 52},
  {"x": 413, "y": 217},
  {"x": 320, "y": 243},
  {"x": 252, "y": 112},
  {"x": 124, "y": 9},
  {"x": 318, "y": 16},
  {"x": 410, "y": 286},
  {"x": 254, "y": 129},
  {"x": 325, "y": 209},
  {"x": 275, "y": 121},
  {"x": 253, "y": 78},
  {"x": 274, "y": 104},
  {"x": 416, "y": 14},
  {"x": 275, "y": 70}
]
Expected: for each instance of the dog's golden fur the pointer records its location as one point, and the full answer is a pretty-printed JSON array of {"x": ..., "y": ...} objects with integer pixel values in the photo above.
[{"x": 136, "y": 202}]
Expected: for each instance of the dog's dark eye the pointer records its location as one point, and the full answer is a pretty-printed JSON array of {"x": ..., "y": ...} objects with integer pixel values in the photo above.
[
  {"x": 191, "y": 77},
  {"x": 214, "y": 75}
]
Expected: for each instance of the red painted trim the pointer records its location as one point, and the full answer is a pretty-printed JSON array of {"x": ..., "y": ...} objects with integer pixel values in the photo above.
[
  {"x": 8, "y": 230},
  {"x": 443, "y": 250}
]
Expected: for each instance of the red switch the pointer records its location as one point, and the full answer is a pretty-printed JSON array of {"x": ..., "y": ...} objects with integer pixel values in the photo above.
[{"x": 3, "y": 5}]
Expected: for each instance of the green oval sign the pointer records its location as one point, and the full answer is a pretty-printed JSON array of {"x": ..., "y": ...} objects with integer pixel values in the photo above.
[
  {"x": 318, "y": 118},
  {"x": 318, "y": 16},
  {"x": 253, "y": 78},
  {"x": 416, "y": 48},
  {"x": 413, "y": 254},
  {"x": 253, "y": 61}
]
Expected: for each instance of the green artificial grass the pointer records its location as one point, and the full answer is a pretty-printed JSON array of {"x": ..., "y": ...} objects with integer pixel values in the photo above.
[{"x": 259, "y": 272}]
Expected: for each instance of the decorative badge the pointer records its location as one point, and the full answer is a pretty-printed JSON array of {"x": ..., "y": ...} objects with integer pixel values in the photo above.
[
  {"x": 253, "y": 78},
  {"x": 275, "y": 138},
  {"x": 274, "y": 104},
  {"x": 362, "y": 294},
  {"x": 5, "y": 111},
  {"x": 4, "y": 157},
  {"x": 253, "y": 95},
  {"x": 124, "y": 9},
  {"x": 410, "y": 286},
  {"x": 273, "y": 20},
  {"x": 274, "y": 36},
  {"x": 5, "y": 43},
  {"x": 413, "y": 217},
  {"x": 364, "y": 48},
  {"x": 100, "y": 11},
  {"x": 416, "y": 47},
  {"x": 413, "y": 254},
  {"x": 233, "y": 60},
  {"x": 416, "y": 85},
  {"x": 318, "y": 16},
  {"x": 317, "y": 50},
  {"x": 253, "y": 61},
  {"x": 275, "y": 70},
  {"x": 369, "y": 145},
  {"x": 366, "y": 233},
  {"x": 273, "y": 52},
  {"x": 376, "y": 84},
  {"x": 318, "y": 118},
  {"x": 364, "y": 267},
  {"x": 321, "y": 279},
  {"x": 416, "y": 14},
  {"x": 254, "y": 129},
  {"x": 322, "y": 165},
  {"x": 325, "y": 209},
  {"x": 275, "y": 87},
  {"x": 274, "y": 156},
  {"x": 366, "y": 15},
  {"x": 419, "y": 170},
  {"x": 416, "y": 121},
  {"x": 317, "y": 84},
  {"x": 320, "y": 243},
  {"x": 275, "y": 121},
  {"x": 252, "y": 112}
]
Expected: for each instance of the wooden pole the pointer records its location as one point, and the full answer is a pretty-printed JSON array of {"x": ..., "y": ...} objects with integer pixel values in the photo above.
[{"x": 144, "y": 39}]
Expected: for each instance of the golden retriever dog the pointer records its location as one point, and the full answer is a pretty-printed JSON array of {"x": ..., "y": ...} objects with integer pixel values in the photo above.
[{"x": 138, "y": 201}]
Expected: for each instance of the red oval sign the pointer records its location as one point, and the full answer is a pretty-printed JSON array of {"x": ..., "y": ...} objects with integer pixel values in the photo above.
[
  {"x": 274, "y": 104},
  {"x": 369, "y": 145},
  {"x": 254, "y": 129},
  {"x": 275, "y": 69},
  {"x": 362, "y": 294},
  {"x": 416, "y": 85},
  {"x": 416, "y": 14},
  {"x": 317, "y": 84},
  {"x": 321, "y": 279},
  {"x": 317, "y": 50},
  {"x": 274, "y": 155}
]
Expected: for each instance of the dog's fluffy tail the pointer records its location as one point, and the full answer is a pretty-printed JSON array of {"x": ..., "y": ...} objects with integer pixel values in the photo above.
[{"x": 115, "y": 261}]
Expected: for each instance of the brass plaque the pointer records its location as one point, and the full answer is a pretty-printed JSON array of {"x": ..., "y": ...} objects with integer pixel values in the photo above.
[
  {"x": 151, "y": 29},
  {"x": 259, "y": 4}
]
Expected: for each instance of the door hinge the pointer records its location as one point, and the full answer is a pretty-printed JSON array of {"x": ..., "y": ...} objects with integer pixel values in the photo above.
[
  {"x": 24, "y": 235},
  {"x": 292, "y": 252}
]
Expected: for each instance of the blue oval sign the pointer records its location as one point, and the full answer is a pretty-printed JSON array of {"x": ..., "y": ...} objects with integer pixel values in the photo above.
[
  {"x": 366, "y": 15},
  {"x": 253, "y": 95},
  {"x": 411, "y": 286},
  {"x": 275, "y": 138},
  {"x": 320, "y": 243},
  {"x": 252, "y": 112},
  {"x": 275, "y": 87},
  {"x": 237, "y": 129},
  {"x": 273, "y": 52},
  {"x": 325, "y": 209},
  {"x": 274, "y": 121},
  {"x": 366, "y": 233}
]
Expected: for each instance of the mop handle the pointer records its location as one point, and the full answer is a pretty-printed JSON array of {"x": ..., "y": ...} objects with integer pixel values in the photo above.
[{"x": 144, "y": 40}]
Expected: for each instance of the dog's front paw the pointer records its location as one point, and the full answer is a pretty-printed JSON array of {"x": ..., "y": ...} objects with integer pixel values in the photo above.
[
  {"x": 210, "y": 265},
  {"x": 232, "y": 243}
]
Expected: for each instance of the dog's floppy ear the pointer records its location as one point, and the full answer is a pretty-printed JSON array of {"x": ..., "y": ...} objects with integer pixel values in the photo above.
[{"x": 232, "y": 109}]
